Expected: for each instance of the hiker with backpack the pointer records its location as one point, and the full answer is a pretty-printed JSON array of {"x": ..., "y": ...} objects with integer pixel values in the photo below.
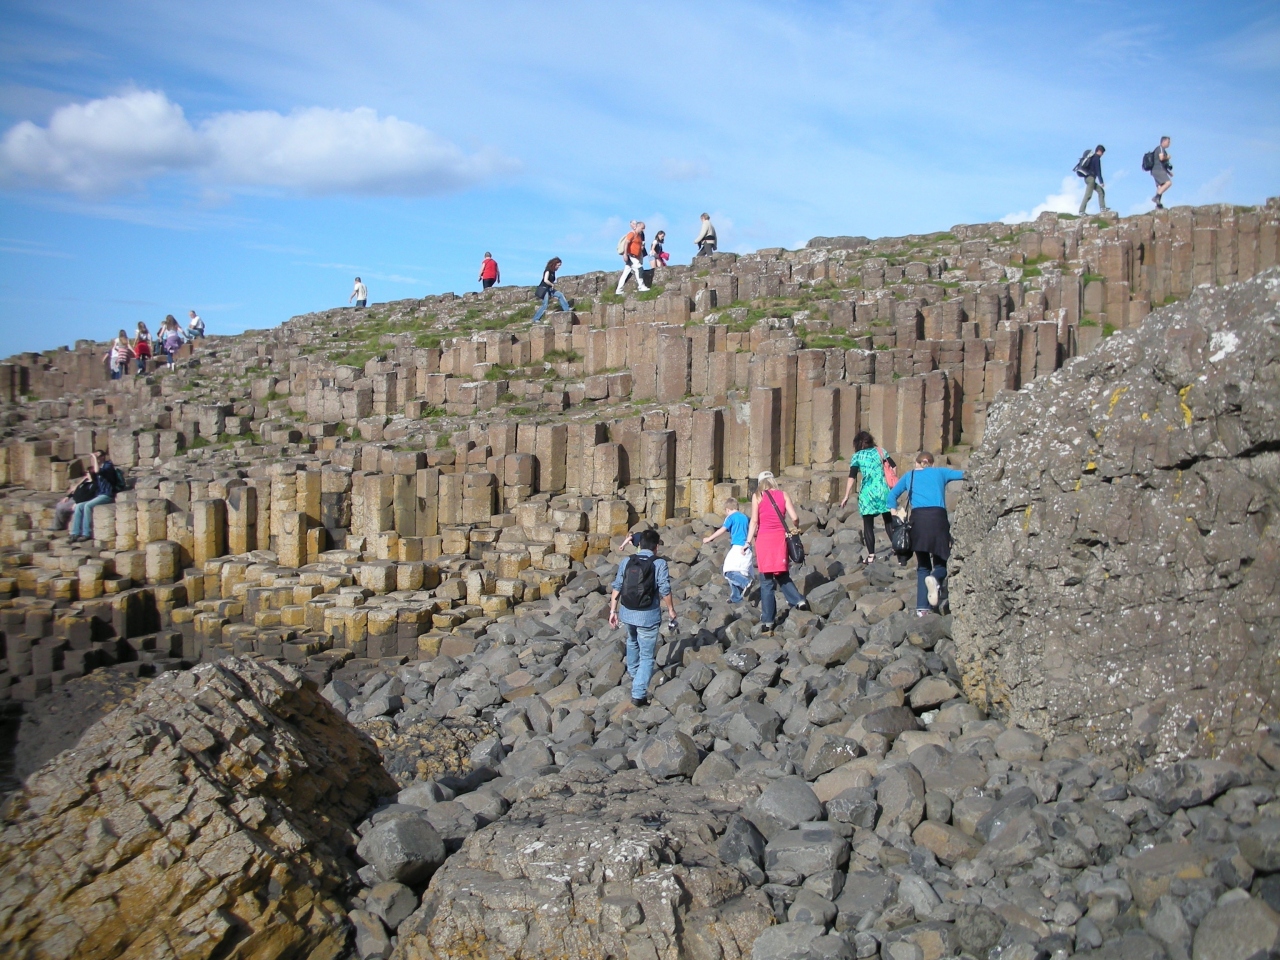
[
  {"x": 632, "y": 249},
  {"x": 547, "y": 289},
  {"x": 879, "y": 473},
  {"x": 640, "y": 587},
  {"x": 1090, "y": 167},
  {"x": 775, "y": 547},
  {"x": 1157, "y": 163},
  {"x": 929, "y": 528},
  {"x": 107, "y": 482}
]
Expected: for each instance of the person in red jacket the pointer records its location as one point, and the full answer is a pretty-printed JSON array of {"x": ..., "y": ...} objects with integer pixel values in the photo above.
[{"x": 489, "y": 274}]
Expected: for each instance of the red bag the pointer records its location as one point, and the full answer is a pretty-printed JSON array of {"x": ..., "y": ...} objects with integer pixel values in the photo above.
[{"x": 890, "y": 474}]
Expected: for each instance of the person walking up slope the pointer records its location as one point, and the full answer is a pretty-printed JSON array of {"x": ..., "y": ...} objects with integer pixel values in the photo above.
[
  {"x": 737, "y": 563},
  {"x": 359, "y": 293},
  {"x": 1091, "y": 169},
  {"x": 873, "y": 496},
  {"x": 633, "y": 252},
  {"x": 926, "y": 486},
  {"x": 768, "y": 531},
  {"x": 641, "y": 585},
  {"x": 547, "y": 289}
]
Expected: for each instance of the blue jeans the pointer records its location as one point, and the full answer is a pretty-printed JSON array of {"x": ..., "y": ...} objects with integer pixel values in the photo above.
[
  {"x": 738, "y": 583},
  {"x": 546, "y": 299},
  {"x": 769, "y": 603},
  {"x": 925, "y": 566},
  {"x": 642, "y": 645},
  {"x": 82, "y": 517}
]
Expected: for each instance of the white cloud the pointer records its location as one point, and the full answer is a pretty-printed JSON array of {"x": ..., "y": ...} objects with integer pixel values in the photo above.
[
  {"x": 1067, "y": 200},
  {"x": 1215, "y": 189},
  {"x": 103, "y": 145}
]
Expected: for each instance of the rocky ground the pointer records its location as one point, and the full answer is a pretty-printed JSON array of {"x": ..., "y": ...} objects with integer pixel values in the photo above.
[{"x": 826, "y": 791}]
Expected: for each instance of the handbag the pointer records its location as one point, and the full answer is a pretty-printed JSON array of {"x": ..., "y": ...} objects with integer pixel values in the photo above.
[
  {"x": 890, "y": 474},
  {"x": 795, "y": 549},
  {"x": 900, "y": 534}
]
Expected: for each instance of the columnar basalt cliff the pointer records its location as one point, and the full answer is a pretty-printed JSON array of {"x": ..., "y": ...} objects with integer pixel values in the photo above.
[
  {"x": 1118, "y": 558},
  {"x": 420, "y": 509}
]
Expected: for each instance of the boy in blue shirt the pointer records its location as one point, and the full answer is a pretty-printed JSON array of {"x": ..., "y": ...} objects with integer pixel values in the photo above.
[
  {"x": 930, "y": 529},
  {"x": 737, "y": 564}
]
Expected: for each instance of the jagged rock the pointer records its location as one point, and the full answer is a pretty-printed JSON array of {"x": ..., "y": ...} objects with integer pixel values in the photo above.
[
  {"x": 826, "y": 752},
  {"x": 372, "y": 941},
  {"x": 1260, "y": 845},
  {"x": 1112, "y": 577},
  {"x": 833, "y": 644},
  {"x": 742, "y": 846},
  {"x": 1186, "y": 784},
  {"x": 406, "y": 849},
  {"x": 532, "y": 882},
  {"x": 392, "y": 903},
  {"x": 668, "y": 755},
  {"x": 208, "y": 795},
  {"x": 785, "y": 804}
]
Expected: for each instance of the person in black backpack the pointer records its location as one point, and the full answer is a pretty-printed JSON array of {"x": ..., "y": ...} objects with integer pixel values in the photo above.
[
  {"x": 642, "y": 583},
  {"x": 1090, "y": 168},
  {"x": 1158, "y": 163},
  {"x": 107, "y": 482}
]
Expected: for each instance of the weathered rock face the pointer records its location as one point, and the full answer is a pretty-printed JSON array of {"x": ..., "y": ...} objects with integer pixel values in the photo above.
[
  {"x": 595, "y": 865},
  {"x": 1117, "y": 553},
  {"x": 210, "y": 816}
]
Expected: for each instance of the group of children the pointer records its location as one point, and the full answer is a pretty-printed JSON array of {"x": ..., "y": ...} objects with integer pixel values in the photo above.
[{"x": 168, "y": 341}]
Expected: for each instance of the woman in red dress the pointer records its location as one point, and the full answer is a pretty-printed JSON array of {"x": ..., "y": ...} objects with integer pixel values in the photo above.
[{"x": 769, "y": 535}]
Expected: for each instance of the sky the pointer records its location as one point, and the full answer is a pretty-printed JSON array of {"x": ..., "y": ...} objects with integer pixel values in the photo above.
[{"x": 248, "y": 160}]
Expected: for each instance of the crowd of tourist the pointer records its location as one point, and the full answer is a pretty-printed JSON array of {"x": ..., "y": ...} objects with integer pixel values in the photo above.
[{"x": 143, "y": 347}]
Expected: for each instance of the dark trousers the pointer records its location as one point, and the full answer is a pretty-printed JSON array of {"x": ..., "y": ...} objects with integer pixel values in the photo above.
[
  {"x": 930, "y": 564},
  {"x": 488, "y": 282},
  {"x": 869, "y": 530}
]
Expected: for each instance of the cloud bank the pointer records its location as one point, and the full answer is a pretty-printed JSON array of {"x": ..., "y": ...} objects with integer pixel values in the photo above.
[
  {"x": 122, "y": 141},
  {"x": 1067, "y": 200}
]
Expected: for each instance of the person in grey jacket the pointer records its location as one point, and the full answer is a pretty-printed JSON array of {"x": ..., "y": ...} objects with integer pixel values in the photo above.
[{"x": 706, "y": 238}]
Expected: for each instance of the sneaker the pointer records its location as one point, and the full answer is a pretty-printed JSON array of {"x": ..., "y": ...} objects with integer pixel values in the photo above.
[
  {"x": 802, "y": 605},
  {"x": 931, "y": 587},
  {"x": 766, "y": 629},
  {"x": 639, "y": 703},
  {"x": 921, "y": 613},
  {"x": 869, "y": 559},
  {"x": 643, "y": 289}
]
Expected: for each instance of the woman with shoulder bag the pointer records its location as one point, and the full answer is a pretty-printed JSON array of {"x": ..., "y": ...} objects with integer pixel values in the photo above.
[
  {"x": 926, "y": 487},
  {"x": 768, "y": 532},
  {"x": 873, "y": 496}
]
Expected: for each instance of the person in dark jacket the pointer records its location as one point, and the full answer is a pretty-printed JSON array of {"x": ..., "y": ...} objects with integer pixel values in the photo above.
[
  {"x": 1093, "y": 180},
  {"x": 547, "y": 289},
  {"x": 103, "y": 476}
]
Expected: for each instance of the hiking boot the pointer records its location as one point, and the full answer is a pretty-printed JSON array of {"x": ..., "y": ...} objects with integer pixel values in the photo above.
[
  {"x": 931, "y": 587},
  {"x": 638, "y": 703}
]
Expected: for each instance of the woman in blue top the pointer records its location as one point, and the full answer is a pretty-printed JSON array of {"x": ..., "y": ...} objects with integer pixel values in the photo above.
[{"x": 930, "y": 529}]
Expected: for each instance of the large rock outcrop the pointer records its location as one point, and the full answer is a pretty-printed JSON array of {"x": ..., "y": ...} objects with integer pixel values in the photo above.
[
  {"x": 210, "y": 816},
  {"x": 594, "y": 865},
  {"x": 1118, "y": 572}
]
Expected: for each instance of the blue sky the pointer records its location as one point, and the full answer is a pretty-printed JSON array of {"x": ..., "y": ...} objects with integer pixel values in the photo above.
[{"x": 247, "y": 160}]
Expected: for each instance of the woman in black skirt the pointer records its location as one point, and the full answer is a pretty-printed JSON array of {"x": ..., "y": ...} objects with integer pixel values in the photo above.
[{"x": 930, "y": 529}]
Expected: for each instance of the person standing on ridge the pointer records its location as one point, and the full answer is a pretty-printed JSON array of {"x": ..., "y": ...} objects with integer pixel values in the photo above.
[
  {"x": 632, "y": 249},
  {"x": 1161, "y": 171},
  {"x": 640, "y": 587},
  {"x": 706, "y": 238},
  {"x": 489, "y": 274},
  {"x": 141, "y": 348},
  {"x": 873, "y": 495},
  {"x": 768, "y": 531},
  {"x": 359, "y": 293},
  {"x": 1091, "y": 170},
  {"x": 657, "y": 256},
  {"x": 118, "y": 355},
  {"x": 547, "y": 289},
  {"x": 926, "y": 486}
]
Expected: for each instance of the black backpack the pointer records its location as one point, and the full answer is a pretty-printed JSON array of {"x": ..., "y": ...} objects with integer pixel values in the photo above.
[
  {"x": 639, "y": 583},
  {"x": 1080, "y": 169},
  {"x": 1149, "y": 161}
]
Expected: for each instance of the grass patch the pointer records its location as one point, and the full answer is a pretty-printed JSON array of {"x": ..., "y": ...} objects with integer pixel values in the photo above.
[
  {"x": 428, "y": 341},
  {"x": 653, "y": 293},
  {"x": 1088, "y": 278},
  {"x": 444, "y": 441},
  {"x": 826, "y": 341},
  {"x": 520, "y": 411},
  {"x": 562, "y": 356},
  {"x": 273, "y": 395},
  {"x": 1102, "y": 224},
  {"x": 610, "y": 298},
  {"x": 1088, "y": 323},
  {"x": 1108, "y": 329},
  {"x": 1067, "y": 216},
  {"x": 197, "y": 442},
  {"x": 508, "y": 397},
  {"x": 498, "y": 372},
  {"x": 585, "y": 305},
  {"x": 429, "y": 411},
  {"x": 1028, "y": 272}
]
